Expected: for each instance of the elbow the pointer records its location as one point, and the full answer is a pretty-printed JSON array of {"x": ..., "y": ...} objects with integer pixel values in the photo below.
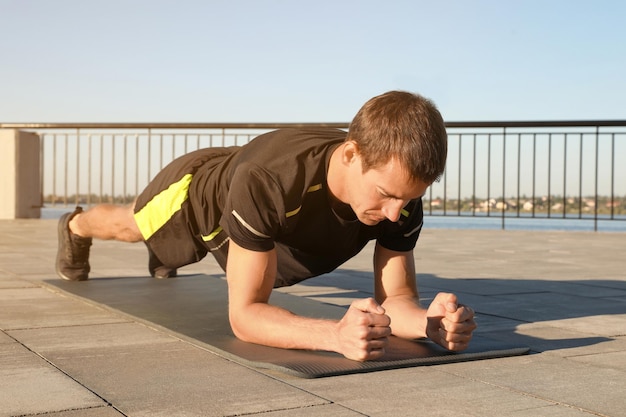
[{"x": 238, "y": 327}]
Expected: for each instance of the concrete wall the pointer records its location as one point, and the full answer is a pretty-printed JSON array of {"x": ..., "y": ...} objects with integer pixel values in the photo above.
[{"x": 20, "y": 178}]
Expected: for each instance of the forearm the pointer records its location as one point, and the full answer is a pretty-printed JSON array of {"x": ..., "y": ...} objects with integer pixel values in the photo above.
[
  {"x": 361, "y": 334},
  {"x": 270, "y": 325},
  {"x": 408, "y": 319}
]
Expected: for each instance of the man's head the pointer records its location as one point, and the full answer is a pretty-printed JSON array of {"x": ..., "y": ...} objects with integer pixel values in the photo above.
[{"x": 404, "y": 127}]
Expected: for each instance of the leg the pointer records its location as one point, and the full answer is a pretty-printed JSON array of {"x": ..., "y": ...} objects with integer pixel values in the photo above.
[
  {"x": 156, "y": 267},
  {"x": 77, "y": 229},
  {"x": 107, "y": 221}
]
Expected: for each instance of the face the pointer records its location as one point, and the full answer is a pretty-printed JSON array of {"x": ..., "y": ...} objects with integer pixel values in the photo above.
[{"x": 381, "y": 193}]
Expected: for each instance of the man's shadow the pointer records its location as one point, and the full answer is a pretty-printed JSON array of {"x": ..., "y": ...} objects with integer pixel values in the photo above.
[{"x": 555, "y": 312}]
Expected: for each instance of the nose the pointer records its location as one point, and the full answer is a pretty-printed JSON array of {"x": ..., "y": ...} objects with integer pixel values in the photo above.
[{"x": 392, "y": 210}]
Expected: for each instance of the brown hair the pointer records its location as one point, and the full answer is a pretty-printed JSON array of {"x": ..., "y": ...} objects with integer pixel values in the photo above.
[{"x": 402, "y": 126}]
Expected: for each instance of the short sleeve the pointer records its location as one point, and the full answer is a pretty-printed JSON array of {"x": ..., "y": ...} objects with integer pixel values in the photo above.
[
  {"x": 254, "y": 208},
  {"x": 402, "y": 236}
]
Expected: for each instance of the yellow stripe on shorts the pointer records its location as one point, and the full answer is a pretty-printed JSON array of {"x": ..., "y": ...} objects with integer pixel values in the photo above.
[{"x": 162, "y": 207}]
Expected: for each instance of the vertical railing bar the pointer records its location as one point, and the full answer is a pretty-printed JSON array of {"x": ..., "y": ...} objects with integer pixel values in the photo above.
[
  {"x": 474, "y": 176},
  {"x": 519, "y": 167},
  {"x": 89, "y": 169},
  {"x": 564, "y": 175},
  {"x": 101, "y": 167},
  {"x": 112, "y": 169},
  {"x": 125, "y": 170},
  {"x": 549, "y": 175},
  {"x": 445, "y": 188},
  {"x": 430, "y": 200},
  {"x": 580, "y": 179},
  {"x": 76, "y": 199},
  {"x": 149, "y": 152},
  {"x": 595, "y": 215},
  {"x": 137, "y": 136},
  {"x": 66, "y": 170},
  {"x": 459, "y": 187},
  {"x": 173, "y": 146},
  {"x": 41, "y": 170},
  {"x": 612, "y": 176},
  {"x": 161, "y": 139},
  {"x": 488, "y": 174},
  {"x": 503, "y": 176},
  {"x": 54, "y": 169},
  {"x": 534, "y": 174}
]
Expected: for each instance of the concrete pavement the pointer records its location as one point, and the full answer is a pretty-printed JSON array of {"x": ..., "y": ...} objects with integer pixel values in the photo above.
[{"x": 561, "y": 293}]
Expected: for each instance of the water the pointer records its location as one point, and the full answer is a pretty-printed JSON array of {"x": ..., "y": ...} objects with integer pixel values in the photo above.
[
  {"x": 514, "y": 223},
  {"x": 477, "y": 222}
]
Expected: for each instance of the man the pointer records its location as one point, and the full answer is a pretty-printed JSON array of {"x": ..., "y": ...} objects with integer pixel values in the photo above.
[{"x": 290, "y": 205}]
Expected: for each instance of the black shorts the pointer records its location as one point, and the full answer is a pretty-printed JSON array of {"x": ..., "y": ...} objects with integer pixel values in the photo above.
[{"x": 163, "y": 211}]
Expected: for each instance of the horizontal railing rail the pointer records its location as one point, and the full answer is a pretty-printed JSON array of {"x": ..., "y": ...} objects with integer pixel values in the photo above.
[{"x": 508, "y": 169}]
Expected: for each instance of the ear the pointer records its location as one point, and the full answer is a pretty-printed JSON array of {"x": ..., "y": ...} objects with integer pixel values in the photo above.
[{"x": 350, "y": 152}]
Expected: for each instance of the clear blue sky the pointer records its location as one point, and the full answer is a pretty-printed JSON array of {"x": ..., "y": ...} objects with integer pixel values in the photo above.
[{"x": 308, "y": 61}]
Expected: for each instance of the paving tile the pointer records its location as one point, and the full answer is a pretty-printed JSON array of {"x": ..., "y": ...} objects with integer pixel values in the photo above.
[
  {"x": 5, "y": 338},
  {"x": 343, "y": 278},
  {"x": 603, "y": 324},
  {"x": 15, "y": 283},
  {"x": 39, "y": 307},
  {"x": 542, "y": 337},
  {"x": 559, "y": 380},
  {"x": 476, "y": 286},
  {"x": 330, "y": 410},
  {"x": 552, "y": 411},
  {"x": 105, "y": 411},
  {"x": 549, "y": 307},
  {"x": 177, "y": 378},
  {"x": 604, "y": 360},
  {"x": 313, "y": 290},
  {"x": 29, "y": 385},
  {"x": 344, "y": 299},
  {"x": 493, "y": 324},
  {"x": 422, "y": 391},
  {"x": 66, "y": 339},
  {"x": 586, "y": 288}
]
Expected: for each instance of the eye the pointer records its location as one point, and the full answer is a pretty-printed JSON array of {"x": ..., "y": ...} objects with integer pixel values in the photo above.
[{"x": 384, "y": 195}]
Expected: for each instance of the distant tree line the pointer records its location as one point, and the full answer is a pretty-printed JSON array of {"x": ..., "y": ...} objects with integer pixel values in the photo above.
[
  {"x": 545, "y": 204},
  {"x": 60, "y": 200}
]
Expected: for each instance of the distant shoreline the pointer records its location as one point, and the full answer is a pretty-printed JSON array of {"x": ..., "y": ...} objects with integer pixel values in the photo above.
[{"x": 479, "y": 222}]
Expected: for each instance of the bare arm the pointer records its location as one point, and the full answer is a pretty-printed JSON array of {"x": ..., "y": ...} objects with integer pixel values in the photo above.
[
  {"x": 445, "y": 321},
  {"x": 396, "y": 291},
  {"x": 361, "y": 334}
]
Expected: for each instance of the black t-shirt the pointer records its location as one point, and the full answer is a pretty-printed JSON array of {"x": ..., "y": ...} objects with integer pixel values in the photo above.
[{"x": 272, "y": 193}]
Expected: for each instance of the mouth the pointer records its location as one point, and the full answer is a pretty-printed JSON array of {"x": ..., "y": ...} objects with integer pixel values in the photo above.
[{"x": 376, "y": 219}]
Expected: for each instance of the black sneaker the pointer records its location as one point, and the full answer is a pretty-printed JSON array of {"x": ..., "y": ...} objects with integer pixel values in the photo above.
[
  {"x": 73, "y": 252},
  {"x": 157, "y": 269}
]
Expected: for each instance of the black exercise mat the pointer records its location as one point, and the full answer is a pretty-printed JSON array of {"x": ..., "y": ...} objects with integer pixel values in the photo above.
[{"x": 195, "y": 309}]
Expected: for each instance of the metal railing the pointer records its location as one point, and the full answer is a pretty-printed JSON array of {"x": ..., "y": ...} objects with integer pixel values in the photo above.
[{"x": 546, "y": 169}]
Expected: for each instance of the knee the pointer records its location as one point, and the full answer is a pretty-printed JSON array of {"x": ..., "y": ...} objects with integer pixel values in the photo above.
[
  {"x": 130, "y": 232},
  {"x": 131, "y": 236}
]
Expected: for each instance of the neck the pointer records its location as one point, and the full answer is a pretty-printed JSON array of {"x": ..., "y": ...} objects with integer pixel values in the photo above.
[{"x": 335, "y": 175}]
